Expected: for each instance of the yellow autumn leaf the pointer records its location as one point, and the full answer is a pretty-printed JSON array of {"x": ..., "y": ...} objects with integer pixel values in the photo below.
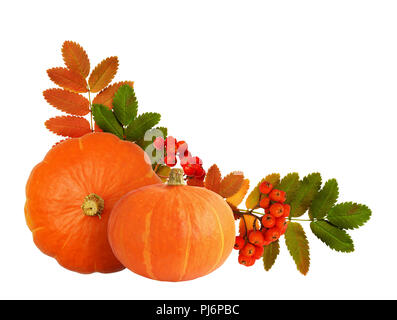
[
  {"x": 103, "y": 74},
  {"x": 238, "y": 197}
]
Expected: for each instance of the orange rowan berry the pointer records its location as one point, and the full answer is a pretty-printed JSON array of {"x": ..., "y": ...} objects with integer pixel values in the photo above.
[
  {"x": 258, "y": 252},
  {"x": 248, "y": 250},
  {"x": 256, "y": 237},
  {"x": 265, "y": 187},
  {"x": 277, "y": 195},
  {"x": 264, "y": 203},
  {"x": 246, "y": 261},
  {"x": 287, "y": 210},
  {"x": 277, "y": 210},
  {"x": 268, "y": 221},
  {"x": 239, "y": 243},
  {"x": 267, "y": 243},
  {"x": 272, "y": 234},
  {"x": 281, "y": 223},
  {"x": 284, "y": 229}
]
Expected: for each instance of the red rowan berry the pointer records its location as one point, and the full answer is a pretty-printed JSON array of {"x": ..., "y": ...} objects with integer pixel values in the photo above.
[
  {"x": 198, "y": 170},
  {"x": 268, "y": 221},
  {"x": 239, "y": 243},
  {"x": 258, "y": 252},
  {"x": 287, "y": 210},
  {"x": 188, "y": 170},
  {"x": 277, "y": 210},
  {"x": 181, "y": 147},
  {"x": 196, "y": 160},
  {"x": 246, "y": 261},
  {"x": 159, "y": 143},
  {"x": 256, "y": 237},
  {"x": 265, "y": 187},
  {"x": 277, "y": 195},
  {"x": 201, "y": 177},
  {"x": 170, "y": 144},
  {"x": 170, "y": 160},
  {"x": 264, "y": 203},
  {"x": 248, "y": 250},
  {"x": 272, "y": 234}
]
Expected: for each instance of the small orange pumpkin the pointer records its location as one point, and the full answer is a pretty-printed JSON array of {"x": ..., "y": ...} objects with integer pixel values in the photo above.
[
  {"x": 172, "y": 232},
  {"x": 70, "y": 194}
]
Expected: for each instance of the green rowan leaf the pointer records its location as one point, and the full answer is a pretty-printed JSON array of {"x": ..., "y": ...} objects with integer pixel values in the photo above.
[
  {"x": 349, "y": 215},
  {"x": 105, "y": 119},
  {"x": 290, "y": 184},
  {"x": 305, "y": 194},
  {"x": 324, "y": 200},
  {"x": 332, "y": 236},
  {"x": 125, "y": 104},
  {"x": 270, "y": 254},
  {"x": 137, "y": 128},
  {"x": 298, "y": 246},
  {"x": 164, "y": 130},
  {"x": 151, "y": 135}
]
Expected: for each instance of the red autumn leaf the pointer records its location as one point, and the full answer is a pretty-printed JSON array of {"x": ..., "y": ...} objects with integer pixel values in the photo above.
[
  {"x": 103, "y": 74},
  {"x": 76, "y": 58},
  {"x": 231, "y": 184},
  {"x": 105, "y": 97},
  {"x": 68, "y": 79},
  {"x": 66, "y": 101},
  {"x": 213, "y": 179},
  {"x": 68, "y": 126}
]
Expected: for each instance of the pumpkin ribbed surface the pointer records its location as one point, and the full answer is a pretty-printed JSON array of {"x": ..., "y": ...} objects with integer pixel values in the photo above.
[
  {"x": 172, "y": 233},
  {"x": 95, "y": 166}
]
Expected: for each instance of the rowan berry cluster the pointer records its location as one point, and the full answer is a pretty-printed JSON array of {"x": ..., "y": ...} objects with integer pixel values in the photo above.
[
  {"x": 273, "y": 224},
  {"x": 173, "y": 149}
]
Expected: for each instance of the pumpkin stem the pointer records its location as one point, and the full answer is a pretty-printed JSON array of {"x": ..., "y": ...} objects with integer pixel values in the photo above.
[
  {"x": 93, "y": 205},
  {"x": 176, "y": 177}
]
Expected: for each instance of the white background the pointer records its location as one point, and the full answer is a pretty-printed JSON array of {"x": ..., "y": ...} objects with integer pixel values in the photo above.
[{"x": 258, "y": 86}]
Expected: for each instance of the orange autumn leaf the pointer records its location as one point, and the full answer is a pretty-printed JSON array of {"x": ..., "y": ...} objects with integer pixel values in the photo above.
[
  {"x": 231, "y": 184},
  {"x": 105, "y": 97},
  {"x": 103, "y": 74},
  {"x": 195, "y": 182},
  {"x": 213, "y": 179},
  {"x": 66, "y": 101},
  {"x": 248, "y": 221},
  {"x": 68, "y": 126},
  {"x": 76, "y": 58},
  {"x": 238, "y": 197},
  {"x": 68, "y": 79}
]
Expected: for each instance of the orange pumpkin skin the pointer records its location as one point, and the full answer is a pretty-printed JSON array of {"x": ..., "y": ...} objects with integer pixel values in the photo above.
[
  {"x": 172, "y": 233},
  {"x": 98, "y": 163}
]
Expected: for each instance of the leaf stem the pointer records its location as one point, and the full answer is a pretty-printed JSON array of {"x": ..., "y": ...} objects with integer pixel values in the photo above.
[
  {"x": 252, "y": 212},
  {"x": 89, "y": 99}
]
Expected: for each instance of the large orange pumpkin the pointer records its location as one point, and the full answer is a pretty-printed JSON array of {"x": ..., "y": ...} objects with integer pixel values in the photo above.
[
  {"x": 172, "y": 232},
  {"x": 70, "y": 194}
]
